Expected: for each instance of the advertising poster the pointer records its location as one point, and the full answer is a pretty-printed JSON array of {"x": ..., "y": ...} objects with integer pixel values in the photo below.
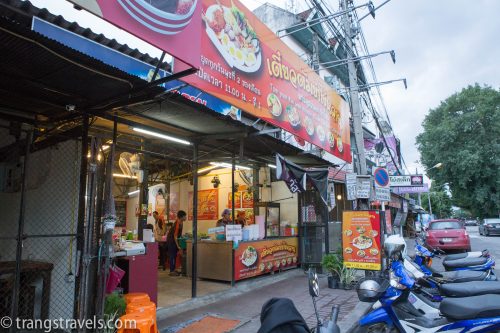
[
  {"x": 361, "y": 239},
  {"x": 237, "y": 199},
  {"x": 388, "y": 221},
  {"x": 208, "y": 205},
  {"x": 164, "y": 24},
  {"x": 174, "y": 205},
  {"x": 261, "y": 257},
  {"x": 246, "y": 65}
]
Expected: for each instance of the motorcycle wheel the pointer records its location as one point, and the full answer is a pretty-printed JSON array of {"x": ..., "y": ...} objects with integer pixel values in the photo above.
[{"x": 375, "y": 328}]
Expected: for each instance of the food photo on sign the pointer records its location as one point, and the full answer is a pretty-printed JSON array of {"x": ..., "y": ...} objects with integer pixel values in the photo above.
[
  {"x": 361, "y": 239},
  {"x": 253, "y": 259},
  {"x": 246, "y": 65}
]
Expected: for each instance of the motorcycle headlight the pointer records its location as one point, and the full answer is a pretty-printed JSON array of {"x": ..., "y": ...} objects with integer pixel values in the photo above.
[{"x": 395, "y": 281}]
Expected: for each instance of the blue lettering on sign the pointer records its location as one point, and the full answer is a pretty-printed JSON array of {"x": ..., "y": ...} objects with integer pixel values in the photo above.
[{"x": 131, "y": 65}]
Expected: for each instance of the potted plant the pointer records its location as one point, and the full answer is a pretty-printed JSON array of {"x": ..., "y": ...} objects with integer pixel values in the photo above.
[
  {"x": 114, "y": 308},
  {"x": 347, "y": 277},
  {"x": 333, "y": 264}
]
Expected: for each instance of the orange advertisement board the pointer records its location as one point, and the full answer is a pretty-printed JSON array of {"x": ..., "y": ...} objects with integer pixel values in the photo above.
[
  {"x": 246, "y": 65},
  {"x": 208, "y": 205},
  {"x": 361, "y": 239},
  {"x": 261, "y": 257}
]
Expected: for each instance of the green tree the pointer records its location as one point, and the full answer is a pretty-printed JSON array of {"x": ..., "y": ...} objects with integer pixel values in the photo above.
[
  {"x": 463, "y": 133},
  {"x": 440, "y": 203}
]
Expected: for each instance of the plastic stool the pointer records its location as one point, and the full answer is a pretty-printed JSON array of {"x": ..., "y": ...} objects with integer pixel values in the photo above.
[
  {"x": 140, "y": 307},
  {"x": 144, "y": 323},
  {"x": 136, "y": 297}
]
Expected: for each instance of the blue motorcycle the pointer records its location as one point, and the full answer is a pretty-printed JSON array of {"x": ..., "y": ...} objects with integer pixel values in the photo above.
[
  {"x": 472, "y": 261},
  {"x": 398, "y": 314}
]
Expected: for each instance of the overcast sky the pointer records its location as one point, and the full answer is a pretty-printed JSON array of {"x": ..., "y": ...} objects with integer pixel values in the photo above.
[{"x": 441, "y": 47}]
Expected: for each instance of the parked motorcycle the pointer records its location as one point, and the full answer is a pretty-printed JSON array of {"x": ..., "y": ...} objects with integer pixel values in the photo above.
[
  {"x": 398, "y": 313},
  {"x": 471, "y": 261},
  {"x": 279, "y": 315}
]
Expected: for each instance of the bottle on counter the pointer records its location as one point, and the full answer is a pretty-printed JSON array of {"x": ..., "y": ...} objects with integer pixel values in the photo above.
[
  {"x": 134, "y": 235},
  {"x": 130, "y": 235}
]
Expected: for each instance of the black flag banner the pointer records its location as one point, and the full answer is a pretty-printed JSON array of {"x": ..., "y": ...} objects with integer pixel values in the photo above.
[
  {"x": 296, "y": 177},
  {"x": 293, "y": 175}
]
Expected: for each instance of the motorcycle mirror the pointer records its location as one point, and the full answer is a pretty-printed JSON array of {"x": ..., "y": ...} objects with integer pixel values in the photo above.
[{"x": 313, "y": 283}]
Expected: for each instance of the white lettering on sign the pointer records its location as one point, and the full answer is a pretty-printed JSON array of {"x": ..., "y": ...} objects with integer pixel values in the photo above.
[
  {"x": 350, "y": 183},
  {"x": 363, "y": 187}
]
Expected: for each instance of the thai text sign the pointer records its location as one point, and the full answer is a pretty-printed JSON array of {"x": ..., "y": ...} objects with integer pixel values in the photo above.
[
  {"x": 411, "y": 189},
  {"x": 409, "y": 180},
  {"x": 208, "y": 204},
  {"x": 261, "y": 257},
  {"x": 234, "y": 232},
  {"x": 245, "y": 64},
  {"x": 361, "y": 239},
  {"x": 164, "y": 24}
]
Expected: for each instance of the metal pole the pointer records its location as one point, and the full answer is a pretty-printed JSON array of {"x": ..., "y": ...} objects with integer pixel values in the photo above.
[
  {"x": 315, "y": 53},
  {"x": 79, "y": 295},
  {"x": 20, "y": 232},
  {"x": 143, "y": 194},
  {"x": 233, "y": 168},
  {"x": 194, "y": 275},
  {"x": 355, "y": 105}
]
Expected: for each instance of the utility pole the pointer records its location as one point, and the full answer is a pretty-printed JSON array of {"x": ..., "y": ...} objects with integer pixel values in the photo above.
[{"x": 353, "y": 91}]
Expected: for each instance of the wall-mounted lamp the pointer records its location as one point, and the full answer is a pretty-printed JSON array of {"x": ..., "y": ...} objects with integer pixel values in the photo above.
[
  {"x": 215, "y": 181},
  {"x": 133, "y": 192},
  {"x": 339, "y": 197}
]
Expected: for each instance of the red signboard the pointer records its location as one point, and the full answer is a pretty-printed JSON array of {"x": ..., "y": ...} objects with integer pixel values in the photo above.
[
  {"x": 208, "y": 205},
  {"x": 261, "y": 257},
  {"x": 165, "y": 24},
  {"x": 361, "y": 239},
  {"x": 246, "y": 65}
]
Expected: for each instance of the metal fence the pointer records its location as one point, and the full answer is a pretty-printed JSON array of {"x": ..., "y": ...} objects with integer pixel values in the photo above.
[{"x": 48, "y": 253}]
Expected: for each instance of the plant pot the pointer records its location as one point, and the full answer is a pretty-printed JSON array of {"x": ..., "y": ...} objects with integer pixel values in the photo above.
[
  {"x": 341, "y": 285},
  {"x": 333, "y": 283},
  {"x": 347, "y": 286}
]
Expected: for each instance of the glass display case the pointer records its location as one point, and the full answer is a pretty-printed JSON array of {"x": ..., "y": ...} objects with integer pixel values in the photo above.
[{"x": 273, "y": 220}]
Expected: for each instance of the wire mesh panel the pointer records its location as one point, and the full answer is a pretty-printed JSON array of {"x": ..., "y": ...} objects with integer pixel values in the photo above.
[{"x": 47, "y": 271}]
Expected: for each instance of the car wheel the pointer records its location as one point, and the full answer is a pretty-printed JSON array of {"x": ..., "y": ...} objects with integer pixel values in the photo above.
[{"x": 480, "y": 233}]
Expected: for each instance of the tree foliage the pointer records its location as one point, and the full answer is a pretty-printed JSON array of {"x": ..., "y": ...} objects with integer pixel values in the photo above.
[
  {"x": 440, "y": 203},
  {"x": 463, "y": 133}
]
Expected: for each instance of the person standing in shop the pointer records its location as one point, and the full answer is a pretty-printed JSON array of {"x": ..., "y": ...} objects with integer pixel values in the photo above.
[
  {"x": 173, "y": 241},
  {"x": 226, "y": 218},
  {"x": 241, "y": 218},
  {"x": 160, "y": 231}
]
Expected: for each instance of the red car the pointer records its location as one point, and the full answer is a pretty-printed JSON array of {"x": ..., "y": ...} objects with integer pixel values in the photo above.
[{"x": 447, "y": 234}]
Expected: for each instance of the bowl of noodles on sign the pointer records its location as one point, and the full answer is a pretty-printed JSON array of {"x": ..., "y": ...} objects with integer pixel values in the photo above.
[
  {"x": 167, "y": 17},
  {"x": 231, "y": 33},
  {"x": 249, "y": 257}
]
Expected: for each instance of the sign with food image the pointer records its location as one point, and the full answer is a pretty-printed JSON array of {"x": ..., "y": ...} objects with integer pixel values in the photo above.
[
  {"x": 166, "y": 24},
  {"x": 261, "y": 257},
  {"x": 361, "y": 239},
  {"x": 208, "y": 205},
  {"x": 246, "y": 65}
]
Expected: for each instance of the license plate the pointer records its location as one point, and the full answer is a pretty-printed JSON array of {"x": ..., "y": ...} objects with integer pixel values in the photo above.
[{"x": 447, "y": 240}]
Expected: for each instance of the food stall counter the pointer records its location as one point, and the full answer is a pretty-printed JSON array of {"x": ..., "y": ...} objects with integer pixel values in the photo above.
[{"x": 217, "y": 260}]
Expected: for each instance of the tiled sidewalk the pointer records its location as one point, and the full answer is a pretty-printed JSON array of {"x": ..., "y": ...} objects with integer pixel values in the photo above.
[{"x": 247, "y": 306}]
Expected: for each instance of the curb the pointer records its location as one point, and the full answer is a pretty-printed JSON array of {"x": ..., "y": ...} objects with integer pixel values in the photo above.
[
  {"x": 239, "y": 289},
  {"x": 350, "y": 321}
]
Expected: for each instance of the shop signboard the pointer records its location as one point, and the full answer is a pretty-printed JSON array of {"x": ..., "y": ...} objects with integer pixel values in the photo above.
[
  {"x": 361, "y": 239},
  {"x": 164, "y": 24},
  {"x": 262, "y": 257},
  {"x": 132, "y": 66},
  {"x": 411, "y": 189},
  {"x": 208, "y": 205},
  {"x": 409, "y": 180},
  {"x": 363, "y": 187},
  {"x": 246, "y": 65},
  {"x": 350, "y": 183}
]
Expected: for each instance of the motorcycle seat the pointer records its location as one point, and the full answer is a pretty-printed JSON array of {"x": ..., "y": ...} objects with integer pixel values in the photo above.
[
  {"x": 475, "y": 254},
  {"x": 467, "y": 289},
  {"x": 466, "y": 262},
  {"x": 483, "y": 306},
  {"x": 462, "y": 276}
]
